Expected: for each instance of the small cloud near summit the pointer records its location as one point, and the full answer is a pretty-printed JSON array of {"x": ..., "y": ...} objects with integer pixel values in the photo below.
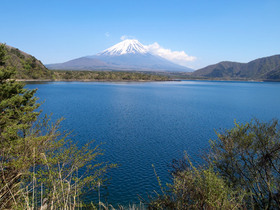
[
  {"x": 179, "y": 57},
  {"x": 107, "y": 34},
  {"x": 124, "y": 37}
]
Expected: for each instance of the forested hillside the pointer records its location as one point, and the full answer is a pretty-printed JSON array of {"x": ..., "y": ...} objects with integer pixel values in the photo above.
[
  {"x": 267, "y": 68},
  {"x": 26, "y": 66}
]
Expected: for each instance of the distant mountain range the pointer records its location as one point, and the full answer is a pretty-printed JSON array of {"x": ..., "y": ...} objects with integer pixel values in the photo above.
[
  {"x": 267, "y": 68},
  {"x": 127, "y": 55},
  {"x": 131, "y": 55}
]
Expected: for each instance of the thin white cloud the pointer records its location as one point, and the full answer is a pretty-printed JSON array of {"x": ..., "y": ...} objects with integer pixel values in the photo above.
[
  {"x": 179, "y": 57},
  {"x": 107, "y": 34},
  {"x": 124, "y": 37}
]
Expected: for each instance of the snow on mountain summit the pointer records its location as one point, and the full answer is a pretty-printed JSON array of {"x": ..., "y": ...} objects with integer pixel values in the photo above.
[{"x": 128, "y": 46}]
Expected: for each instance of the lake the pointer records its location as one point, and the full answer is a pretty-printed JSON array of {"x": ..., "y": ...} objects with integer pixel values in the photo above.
[{"x": 153, "y": 122}]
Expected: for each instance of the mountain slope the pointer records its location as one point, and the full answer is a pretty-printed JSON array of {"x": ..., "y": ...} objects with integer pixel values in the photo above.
[
  {"x": 84, "y": 63},
  {"x": 126, "y": 55},
  {"x": 267, "y": 68},
  {"x": 26, "y": 66}
]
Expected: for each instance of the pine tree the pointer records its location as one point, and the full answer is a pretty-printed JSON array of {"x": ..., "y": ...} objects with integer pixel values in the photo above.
[{"x": 17, "y": 107}]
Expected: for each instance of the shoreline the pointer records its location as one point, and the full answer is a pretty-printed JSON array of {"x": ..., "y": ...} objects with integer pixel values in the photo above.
[
  {"x": 170, "y": 80},
  {"x": 88, "y": 80}
]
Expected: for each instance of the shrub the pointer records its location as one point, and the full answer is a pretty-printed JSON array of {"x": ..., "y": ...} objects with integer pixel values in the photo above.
[
  {"x": 242, "y": 171},
  {"x": 248, "y": 157}
]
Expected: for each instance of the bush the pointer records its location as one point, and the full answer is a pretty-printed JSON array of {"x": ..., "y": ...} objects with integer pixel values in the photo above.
[
  {"x": 248, "y": 157},
  {"x": 197, "y": 188},
  {"x": 242, "y": 171}
]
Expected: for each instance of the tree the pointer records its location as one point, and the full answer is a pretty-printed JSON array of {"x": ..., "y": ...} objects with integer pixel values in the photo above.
[
  {"x": 2, "y": 54},
  {"x": 38, "y": 164},
  {"x": 242, "y": 171},
  {"x": 248, "y": 157},
  {"x": 17, "y": 115}
]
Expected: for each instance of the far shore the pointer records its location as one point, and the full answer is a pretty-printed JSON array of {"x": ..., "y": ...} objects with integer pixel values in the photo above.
[
  {"x": 88, "y": 80},
  {"x": 175, "y": 80}
]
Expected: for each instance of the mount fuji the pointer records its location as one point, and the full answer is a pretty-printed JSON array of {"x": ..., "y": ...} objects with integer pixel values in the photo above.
[
  {"x": 127, "y": 55},
  {"x": 129, "y": 46}
]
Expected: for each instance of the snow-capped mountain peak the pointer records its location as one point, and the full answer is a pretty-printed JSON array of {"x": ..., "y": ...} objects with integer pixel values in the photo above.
[
  {"x": 128, "y": 46},
  {"x": 128, "y": 55}
]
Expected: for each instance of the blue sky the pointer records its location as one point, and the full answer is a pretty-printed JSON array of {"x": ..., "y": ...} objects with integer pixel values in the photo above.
[{"x": 209, "y": 30}]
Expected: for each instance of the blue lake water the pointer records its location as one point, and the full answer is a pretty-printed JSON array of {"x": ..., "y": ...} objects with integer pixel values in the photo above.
[{"x": 152, "y": 123}]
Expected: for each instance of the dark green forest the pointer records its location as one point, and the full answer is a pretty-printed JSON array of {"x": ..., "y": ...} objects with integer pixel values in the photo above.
[{"x": 106, "y": 76}]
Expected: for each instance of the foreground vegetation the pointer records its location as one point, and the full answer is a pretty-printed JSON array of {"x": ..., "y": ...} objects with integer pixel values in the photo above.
[
  {"x": 241, "y": 171},
  {"x": 39, "y": 166}
]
